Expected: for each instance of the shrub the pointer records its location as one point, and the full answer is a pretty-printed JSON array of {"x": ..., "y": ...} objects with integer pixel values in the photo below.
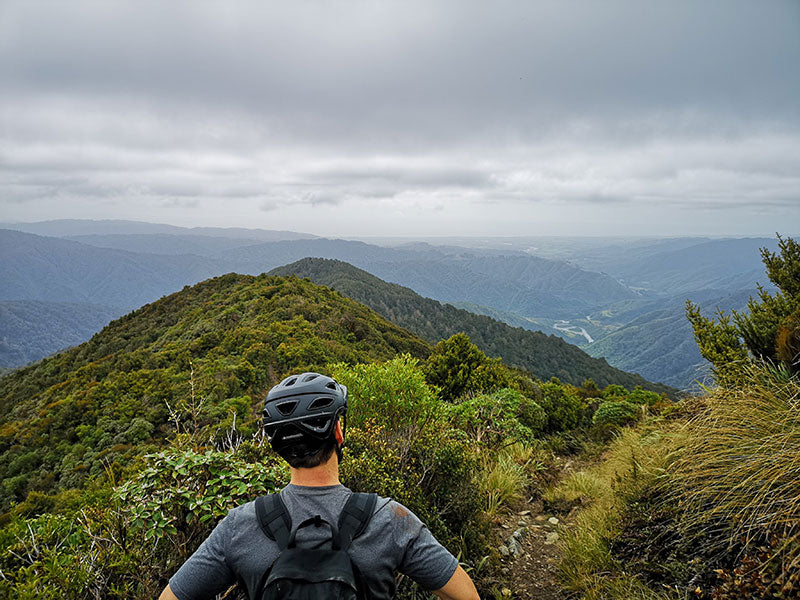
[
  {"x": 615, "y": 414},
  {"x": 641, "y": 397},
  {"x": 561, "y": 406},
  {"x": 401, "y": 444},
  {"x": 457, "y": 366},
  {"x": 156, "y": 519},
  {"x": 396, "y": 390},
  {"x": 491, "y": 419}
]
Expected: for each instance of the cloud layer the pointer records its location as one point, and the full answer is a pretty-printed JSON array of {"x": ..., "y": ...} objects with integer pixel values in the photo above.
[{"x": 357, "y": 118}]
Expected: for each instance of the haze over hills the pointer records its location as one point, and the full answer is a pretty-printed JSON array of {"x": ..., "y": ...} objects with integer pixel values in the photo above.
[
  {"x": 116, "y": 227},
  {"x": 589, "y": 296},
  {"x": 56, "y": 270},
  {"x": 31, "y": 330}
]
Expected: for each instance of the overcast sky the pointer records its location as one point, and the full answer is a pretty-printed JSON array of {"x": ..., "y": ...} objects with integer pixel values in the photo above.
[{"x": 412, "y": 117}]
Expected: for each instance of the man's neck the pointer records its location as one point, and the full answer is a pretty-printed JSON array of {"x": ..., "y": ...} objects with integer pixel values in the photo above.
[{"x": 325, "y": 474}]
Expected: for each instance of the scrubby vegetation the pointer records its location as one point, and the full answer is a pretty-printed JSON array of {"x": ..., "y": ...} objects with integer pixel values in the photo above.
[
  {"x": 217, "y": 346},
  {"x": 125, "y": 451},
  {"x": 703, "y": 500}
]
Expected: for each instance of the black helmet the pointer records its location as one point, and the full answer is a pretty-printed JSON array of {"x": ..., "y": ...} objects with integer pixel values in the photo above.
[{"x": 300, "y": 413}]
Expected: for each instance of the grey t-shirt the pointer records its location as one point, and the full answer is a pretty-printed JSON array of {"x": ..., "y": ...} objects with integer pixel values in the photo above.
[{"x": 394, "y": 541}]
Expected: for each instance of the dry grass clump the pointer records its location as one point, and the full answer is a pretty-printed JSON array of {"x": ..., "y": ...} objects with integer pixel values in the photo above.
[
  {"x": 634, "y": 460},
  {"x": 738, "y": 474},
  {"x": 502, "y": 481}
]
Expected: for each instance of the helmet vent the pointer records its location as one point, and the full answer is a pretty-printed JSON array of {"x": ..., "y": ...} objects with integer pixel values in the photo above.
[
  {"x": 286, "y": 408},
  {"x": 319, "y": 424},
  {"x": 292, "y": 381},
  {"x": 320, "y": 403},
  {"x": 310, "y": 377},
  {"x": 331, "y": 385}
]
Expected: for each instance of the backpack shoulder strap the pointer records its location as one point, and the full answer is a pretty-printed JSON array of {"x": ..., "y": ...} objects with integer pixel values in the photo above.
[
  {"x": 274, "y": 519},
  {"x": 355, "y": 517}
]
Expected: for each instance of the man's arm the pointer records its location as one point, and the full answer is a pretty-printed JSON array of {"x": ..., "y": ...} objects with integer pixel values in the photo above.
[
  {"x": 458, "y": 587},
  {"x": 167, "y": 594}
]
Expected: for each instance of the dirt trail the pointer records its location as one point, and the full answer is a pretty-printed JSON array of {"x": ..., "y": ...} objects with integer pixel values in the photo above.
[{"x": 529, "y": 552}]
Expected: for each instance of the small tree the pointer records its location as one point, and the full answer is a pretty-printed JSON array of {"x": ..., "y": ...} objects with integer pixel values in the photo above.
[
  {"x": 768, "y": 331},
  {"x": 457, "y": 366}
]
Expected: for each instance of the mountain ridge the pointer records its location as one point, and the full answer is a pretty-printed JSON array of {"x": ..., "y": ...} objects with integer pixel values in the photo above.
[{"x": 433, "y": 320}]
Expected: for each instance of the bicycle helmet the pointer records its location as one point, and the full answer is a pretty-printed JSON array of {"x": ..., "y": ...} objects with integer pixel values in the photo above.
[{"x": 300, "y": 413}]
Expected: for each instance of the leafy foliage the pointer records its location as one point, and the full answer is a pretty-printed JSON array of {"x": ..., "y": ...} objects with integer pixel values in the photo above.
[
  {"x": 456, "y": 366},
  {"x": 493, "y": 419},
  {"x": 730, "y": 342},
  {"x": 562, "y": 407},
  {"x": 154, "y": 520},
  {"x": 615, "y": 414}
]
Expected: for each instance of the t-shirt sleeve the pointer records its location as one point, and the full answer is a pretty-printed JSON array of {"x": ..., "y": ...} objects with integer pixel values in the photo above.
[
  {"x": 425, "y": 560},
  {"x": 206, "y": 572}
]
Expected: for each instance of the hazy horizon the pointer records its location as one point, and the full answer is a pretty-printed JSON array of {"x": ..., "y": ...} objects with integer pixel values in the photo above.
[
  {"x": 396, "y": 237},
  {"x": 405, "y": 119}
]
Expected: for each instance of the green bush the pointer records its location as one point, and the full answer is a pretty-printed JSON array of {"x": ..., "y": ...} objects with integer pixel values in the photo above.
[
  {"x": 642, "y": 397},
  {"x": 491, "y": 419},
  {"x": 457, "y": 366},
  {"x": 395, "y": 390},
  {"x": 401, "y": 443},
  {"x": 561, "y": 406},
  {"x": 156, "y": 519},
  {"x": 615, "y": 414}
]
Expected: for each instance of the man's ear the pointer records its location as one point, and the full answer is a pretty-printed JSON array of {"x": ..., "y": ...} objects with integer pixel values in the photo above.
[{"x": 338, "y": 433}]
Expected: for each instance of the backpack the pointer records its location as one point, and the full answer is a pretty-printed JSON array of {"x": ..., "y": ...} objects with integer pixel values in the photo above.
[{"x": 306, "y": 573}]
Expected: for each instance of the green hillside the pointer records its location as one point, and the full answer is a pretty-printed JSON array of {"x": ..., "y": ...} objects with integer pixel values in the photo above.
[
  {"x": 544, "y": 356},
  {"x": 31, "y": 330},
  {"x": 223, "y": 343}
]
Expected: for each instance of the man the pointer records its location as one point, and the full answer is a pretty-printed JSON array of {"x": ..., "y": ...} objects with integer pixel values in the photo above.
[{"x": 301, "y": 418}]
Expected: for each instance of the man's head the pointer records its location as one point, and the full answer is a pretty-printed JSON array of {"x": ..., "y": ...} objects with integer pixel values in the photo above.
[{"x": 301, "y": 416}]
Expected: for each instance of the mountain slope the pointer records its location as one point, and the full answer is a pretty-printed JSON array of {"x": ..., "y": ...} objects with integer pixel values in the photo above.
[
  {"x": 31, "y": 330},
  {"x": 528, "y": 285},
  {"x": 659, "y": 343},
  {"x": 217, "y": 346},
  {"x": 78, "y": 227},
  {"x": 544, "y": 356},
  {"x": 730, "y": 264},
  {"x": 51, "y": 269}
]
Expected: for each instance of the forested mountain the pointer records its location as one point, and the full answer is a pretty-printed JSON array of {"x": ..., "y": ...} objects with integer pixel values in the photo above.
[
  {"x": 728, "y": 264},
  {"x": 525, "y": 284},
  {"x": 164, "y": 243},
  {"x": 217, "y": 347},
  {"x": 127, "y": 264},
  {"x": 544, "y": 356},
  {"x": 657, "y": 339},
  {"x": 30, "y": 330},
  {"x": 56, "y": 270}
]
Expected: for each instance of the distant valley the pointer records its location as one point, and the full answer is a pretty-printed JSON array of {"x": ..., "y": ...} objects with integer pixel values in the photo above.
[{"x": 626, "y": 296}]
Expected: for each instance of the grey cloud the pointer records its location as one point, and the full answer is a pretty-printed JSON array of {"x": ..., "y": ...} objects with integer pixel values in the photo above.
[
  {"x": 416, "y": 69},
  {"x": 452, "y": 108},
  {"x": 414, "y": 175}
]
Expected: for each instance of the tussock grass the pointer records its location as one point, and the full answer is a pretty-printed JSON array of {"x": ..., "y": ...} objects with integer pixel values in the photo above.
[
  {"x": 728, "y": 480},
  {"x": 740, "y": 465},
  {"x": 504, "y": 479},
  {"x": 635, "y": 459},
  {"x": 580, "y": 487}
]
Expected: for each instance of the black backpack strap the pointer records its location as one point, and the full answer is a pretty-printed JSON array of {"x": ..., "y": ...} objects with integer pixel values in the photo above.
[
  {"x": 274, "y": 519},
  {"x": 355, "y": 517}
]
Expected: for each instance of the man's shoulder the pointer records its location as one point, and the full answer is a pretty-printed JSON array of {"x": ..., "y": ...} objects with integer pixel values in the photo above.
[{"x": 386, "y": 511}]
